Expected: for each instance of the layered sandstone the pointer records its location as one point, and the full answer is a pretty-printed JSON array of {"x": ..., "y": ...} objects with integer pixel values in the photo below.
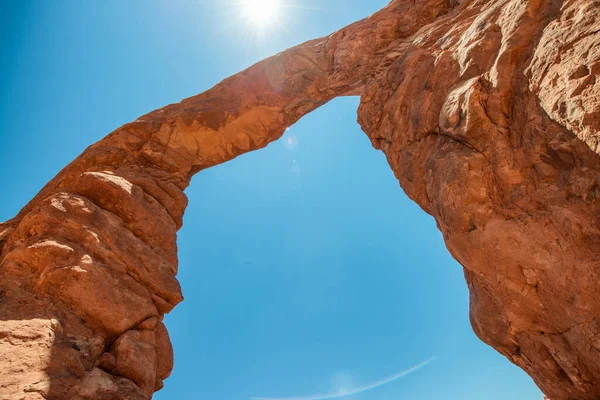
[{"x": 488, "y": 113}]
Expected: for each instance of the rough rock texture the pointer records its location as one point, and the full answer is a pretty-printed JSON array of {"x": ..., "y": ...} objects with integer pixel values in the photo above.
[{"x": 488, "y": 113}]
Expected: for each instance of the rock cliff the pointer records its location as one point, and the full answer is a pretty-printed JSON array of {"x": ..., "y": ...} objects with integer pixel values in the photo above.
[{"x": 489, "y": 115}]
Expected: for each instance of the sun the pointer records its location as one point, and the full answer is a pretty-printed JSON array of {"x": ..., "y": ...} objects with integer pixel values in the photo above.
[{"x": 260, "y": 12}]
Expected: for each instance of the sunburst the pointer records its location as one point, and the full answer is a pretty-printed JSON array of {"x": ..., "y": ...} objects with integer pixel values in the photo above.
[{"x": 261, "y": 12}]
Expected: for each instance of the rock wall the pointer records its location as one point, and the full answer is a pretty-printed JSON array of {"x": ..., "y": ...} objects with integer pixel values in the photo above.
[
  {"x": 490, "y": 120},
  {"x": 488, "y": 113}
]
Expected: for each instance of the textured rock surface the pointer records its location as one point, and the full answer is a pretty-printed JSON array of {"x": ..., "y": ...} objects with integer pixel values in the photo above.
[{"x": 488, "y": 113}]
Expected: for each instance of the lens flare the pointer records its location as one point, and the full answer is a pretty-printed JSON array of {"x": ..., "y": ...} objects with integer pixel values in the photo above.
[{"x": 290, "y": 141}]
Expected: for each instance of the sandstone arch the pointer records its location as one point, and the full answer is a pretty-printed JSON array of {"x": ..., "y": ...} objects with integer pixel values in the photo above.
[{"x": 488, "y": 114}]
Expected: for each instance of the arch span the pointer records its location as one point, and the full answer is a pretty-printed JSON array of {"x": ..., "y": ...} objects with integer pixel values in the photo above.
[{"x": 484, "y": 126}]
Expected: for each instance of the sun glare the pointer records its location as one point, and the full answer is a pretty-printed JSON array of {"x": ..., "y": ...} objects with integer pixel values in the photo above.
[{"x": 260, "y": 12}]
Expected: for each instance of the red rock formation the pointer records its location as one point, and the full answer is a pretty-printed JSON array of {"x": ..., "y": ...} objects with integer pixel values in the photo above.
[{"x": 488, "y": 114}]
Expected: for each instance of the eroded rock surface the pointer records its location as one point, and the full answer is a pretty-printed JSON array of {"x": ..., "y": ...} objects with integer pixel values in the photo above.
[{"x": 488, "y": 113}]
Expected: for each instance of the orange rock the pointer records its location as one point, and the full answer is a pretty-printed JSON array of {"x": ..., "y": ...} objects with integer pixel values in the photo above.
[{"x": 488, "y": 113}]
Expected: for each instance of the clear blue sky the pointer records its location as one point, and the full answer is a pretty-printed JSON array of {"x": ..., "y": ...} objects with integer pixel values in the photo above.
[{"x": 304, "y": 269}]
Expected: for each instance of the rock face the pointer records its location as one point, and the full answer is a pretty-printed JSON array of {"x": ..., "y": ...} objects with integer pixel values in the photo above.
[{"x": 489, "y": 115}]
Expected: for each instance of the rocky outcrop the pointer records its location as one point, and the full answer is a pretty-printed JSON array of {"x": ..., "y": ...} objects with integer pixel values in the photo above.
[
  {"x": 488, "y": 114},
  {"x": 489, "y": 118}
]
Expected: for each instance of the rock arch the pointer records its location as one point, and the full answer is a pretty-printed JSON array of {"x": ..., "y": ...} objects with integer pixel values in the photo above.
[{"x": 487, "y": 112}]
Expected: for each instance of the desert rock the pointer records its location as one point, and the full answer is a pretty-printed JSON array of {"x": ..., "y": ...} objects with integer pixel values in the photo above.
[{"x": 488, "y": 113}]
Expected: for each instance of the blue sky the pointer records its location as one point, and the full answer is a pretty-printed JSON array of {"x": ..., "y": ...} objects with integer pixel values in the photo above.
[{"x": 306, "y": 269}]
